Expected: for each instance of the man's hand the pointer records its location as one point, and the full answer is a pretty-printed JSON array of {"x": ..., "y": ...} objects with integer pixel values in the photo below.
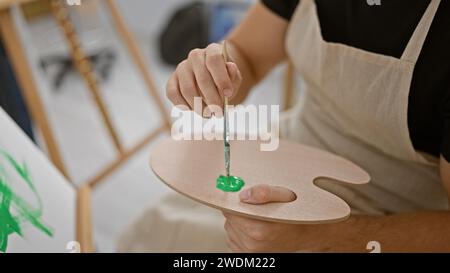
[
  {"x": 204, "y": 74},
  {"x": 424, "y": 231},
  {"x": 250, "y": 235}
]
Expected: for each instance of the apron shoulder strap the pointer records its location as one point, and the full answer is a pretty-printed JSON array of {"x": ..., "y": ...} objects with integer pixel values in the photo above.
[{"x": 414, "y": 47}]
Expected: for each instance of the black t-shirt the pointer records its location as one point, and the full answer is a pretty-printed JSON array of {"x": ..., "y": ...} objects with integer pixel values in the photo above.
[{"x": 386, "y": 29}]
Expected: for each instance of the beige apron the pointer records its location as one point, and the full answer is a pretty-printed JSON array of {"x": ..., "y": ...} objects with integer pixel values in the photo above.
[{"x": 355, "y": 105}]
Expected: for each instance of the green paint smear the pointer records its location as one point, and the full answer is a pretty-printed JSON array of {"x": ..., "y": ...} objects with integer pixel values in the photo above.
[
  {"x": 229, "y": 183},
  {"x": 14, "y": 211}
]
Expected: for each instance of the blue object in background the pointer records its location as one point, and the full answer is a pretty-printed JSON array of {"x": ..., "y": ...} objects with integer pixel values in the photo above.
[
  {"x": 10, "y": 96},
  {"x": 224, "y": 16}
]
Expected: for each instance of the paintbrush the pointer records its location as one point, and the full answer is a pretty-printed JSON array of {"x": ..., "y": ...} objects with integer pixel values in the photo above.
[{"x": 226, "y": 129}]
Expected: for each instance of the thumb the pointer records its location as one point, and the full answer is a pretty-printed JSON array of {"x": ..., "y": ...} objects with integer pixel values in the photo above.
[{"x": 261, "y": 194}]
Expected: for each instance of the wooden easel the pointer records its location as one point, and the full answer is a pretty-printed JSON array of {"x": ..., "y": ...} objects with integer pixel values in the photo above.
[
  {"x": 84, "y": 67},
  {"x": 23, "y": 72}
]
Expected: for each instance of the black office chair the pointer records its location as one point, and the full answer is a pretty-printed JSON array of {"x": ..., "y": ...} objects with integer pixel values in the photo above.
[{"x": 102, "y": 61}]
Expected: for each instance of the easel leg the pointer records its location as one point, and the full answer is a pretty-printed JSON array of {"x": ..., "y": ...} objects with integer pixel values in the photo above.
[
  {"x": 84, "y": 67},
  {"x": 138, "y": 58},
  {"x": 84, "y": 219},
  {"x": 28, "y": 86}
]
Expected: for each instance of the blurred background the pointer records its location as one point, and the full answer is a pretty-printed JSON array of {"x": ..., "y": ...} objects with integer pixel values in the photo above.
[{"x": 165, "y": 31}]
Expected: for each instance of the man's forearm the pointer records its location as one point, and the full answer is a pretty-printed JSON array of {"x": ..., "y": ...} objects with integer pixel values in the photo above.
[{"x": 415, "y": 232}]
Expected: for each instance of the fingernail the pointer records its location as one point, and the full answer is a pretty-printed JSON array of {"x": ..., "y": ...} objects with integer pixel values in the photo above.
[
  {"x": 245, "y": 194},
  {"x": 228, "y": 92}
]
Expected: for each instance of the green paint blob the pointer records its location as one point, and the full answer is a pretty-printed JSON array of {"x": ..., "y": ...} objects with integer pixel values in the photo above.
[
  {"x": 15, "y": 211},
  {"x": 229, "y": 183}
]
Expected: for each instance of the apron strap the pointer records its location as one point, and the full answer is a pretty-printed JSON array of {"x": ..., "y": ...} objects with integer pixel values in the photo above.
[{"x": 414, "y": 47}]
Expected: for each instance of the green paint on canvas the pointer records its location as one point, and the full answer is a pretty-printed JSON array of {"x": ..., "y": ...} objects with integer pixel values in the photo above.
[{"x": 15, "y": 211}]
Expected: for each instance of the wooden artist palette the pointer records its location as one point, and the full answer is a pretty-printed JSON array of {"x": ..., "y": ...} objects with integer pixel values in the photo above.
[{"x": 192, "y": 167}]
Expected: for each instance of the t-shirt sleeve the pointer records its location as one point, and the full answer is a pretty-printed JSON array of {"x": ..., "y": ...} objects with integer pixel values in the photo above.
[
  {"x": 446, "y": 135},
  {"x": 284, "y": 8}
]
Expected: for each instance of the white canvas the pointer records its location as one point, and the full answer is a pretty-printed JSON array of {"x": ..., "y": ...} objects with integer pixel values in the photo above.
[{"x": 51, "y": 225}]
